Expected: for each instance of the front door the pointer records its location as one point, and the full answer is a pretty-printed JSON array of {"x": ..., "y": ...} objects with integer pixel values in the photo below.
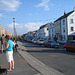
[{"x": 73, "y": 37}]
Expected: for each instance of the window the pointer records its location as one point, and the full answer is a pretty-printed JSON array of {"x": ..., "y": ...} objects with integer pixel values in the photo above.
[
  {"x": 52, "y": 35},
  {"x": 63, "y": 37},
  {"x": 71, "y": 21},
  {"x": 49, "y": 31},
  {"x": 52, "y": 30},
  {"x": 63, "y": 29},
  {"x": 63, "y": 22},
  {"x": 72, "y": 29}
]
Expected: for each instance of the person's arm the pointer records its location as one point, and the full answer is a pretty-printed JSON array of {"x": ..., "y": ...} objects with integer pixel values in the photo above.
[{"x": 7, "y": 45}]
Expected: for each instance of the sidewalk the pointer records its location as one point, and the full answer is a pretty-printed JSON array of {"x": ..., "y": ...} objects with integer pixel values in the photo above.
[{"x": 21, "y": 66}]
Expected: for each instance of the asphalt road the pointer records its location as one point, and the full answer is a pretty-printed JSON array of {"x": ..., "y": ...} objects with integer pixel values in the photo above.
[{"x": 57, "y": 59}]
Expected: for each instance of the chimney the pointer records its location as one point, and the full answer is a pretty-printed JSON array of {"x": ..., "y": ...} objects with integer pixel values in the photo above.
[
  {"x": 74, "y": 9},
  {"x": 64, "y": 12}
]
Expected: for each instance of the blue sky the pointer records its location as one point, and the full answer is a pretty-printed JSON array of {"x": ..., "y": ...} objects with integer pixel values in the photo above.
[{"x": 31, "y": 14}]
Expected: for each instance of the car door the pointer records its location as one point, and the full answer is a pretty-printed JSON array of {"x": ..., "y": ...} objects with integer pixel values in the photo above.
[
  {"x": 68, "y": 45},
  {"x": 73, "y": 46}
]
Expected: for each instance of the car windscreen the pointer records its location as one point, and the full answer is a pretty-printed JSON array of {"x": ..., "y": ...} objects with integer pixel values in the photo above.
[
  {"x": 41, "y": 40},
  {"x": 69, "y": 43},
  {"x": 73, "y": 43}
]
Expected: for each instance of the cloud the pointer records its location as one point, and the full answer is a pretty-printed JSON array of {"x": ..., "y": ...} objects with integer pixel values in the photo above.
[
  {"x": 19, "y": 28},
  {"x": 31, "y": 26},
  {"x": 45, "y": 4},
  {"x": 1, "y": 15},
  {"x": 16, "y": 25},
  {"x": 9, "y": 5},
  {"x": 24, "y": 28}
]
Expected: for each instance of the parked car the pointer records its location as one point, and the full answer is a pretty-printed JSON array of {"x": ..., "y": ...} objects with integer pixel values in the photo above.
[
  {"x": 70, "y": 45},
  {"x": 45, "y": 43},
  {"x": 61, "y": 42},
  {"x": 29, "y": 40},
  {"x": 34, "y": 41},
  {"x": 40, "y": 42},
  {"x": 52, "y": 43}
]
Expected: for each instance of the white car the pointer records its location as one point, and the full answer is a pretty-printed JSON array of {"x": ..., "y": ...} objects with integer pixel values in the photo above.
[
  {"x": 34, "y": 41},
  {"x": 40, "y": 42}
]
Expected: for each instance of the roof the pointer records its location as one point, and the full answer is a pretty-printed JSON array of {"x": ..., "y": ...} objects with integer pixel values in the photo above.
[
  {"x": 46, "y": 25},
  {"x": 64, "y": 16},
  {"x": 42, "y": 26}
]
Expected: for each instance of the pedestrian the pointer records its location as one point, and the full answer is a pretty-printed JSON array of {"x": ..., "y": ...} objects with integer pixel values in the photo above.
[
  {"x": 2, "y": 42},
  {"x": 9, "y": 52}
]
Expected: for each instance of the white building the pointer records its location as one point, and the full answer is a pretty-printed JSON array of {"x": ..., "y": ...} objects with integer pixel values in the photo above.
[
  {"x": 43, "y": 31},
  {"x": 37, "y": 35},
  {"x": 51, "y": 31},
  {"x": 30, "y": 35},
  {"x": 65, "y": 26}
]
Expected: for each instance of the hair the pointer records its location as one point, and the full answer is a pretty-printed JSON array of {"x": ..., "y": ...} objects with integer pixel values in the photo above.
[
  {"x": 7, "y": 37},
  {"x": 2, "y": 34}
]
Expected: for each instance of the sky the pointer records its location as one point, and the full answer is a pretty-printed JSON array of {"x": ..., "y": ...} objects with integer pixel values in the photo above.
[{"x": 31, "y": 14}]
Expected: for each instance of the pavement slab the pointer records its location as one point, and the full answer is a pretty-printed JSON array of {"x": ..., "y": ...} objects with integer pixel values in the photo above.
[{"x": 21, "y": 65}]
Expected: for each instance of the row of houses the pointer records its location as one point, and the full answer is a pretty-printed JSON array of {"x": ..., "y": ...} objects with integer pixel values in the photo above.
[{"x": 62, "y": 29}]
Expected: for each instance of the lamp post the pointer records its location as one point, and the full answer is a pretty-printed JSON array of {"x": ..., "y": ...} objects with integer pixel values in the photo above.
[
  {"x": 0, "y": 30},
  {"x": 14, "y": 25}
]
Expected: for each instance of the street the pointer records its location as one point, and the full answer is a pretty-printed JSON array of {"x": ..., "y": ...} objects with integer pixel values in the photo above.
[{"x": 57, "y": 59}]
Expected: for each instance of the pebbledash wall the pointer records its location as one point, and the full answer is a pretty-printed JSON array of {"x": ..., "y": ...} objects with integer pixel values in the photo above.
[{"x": 71, "y": 25}]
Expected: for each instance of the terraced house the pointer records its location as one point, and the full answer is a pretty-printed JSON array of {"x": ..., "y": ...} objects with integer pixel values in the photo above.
[
  {"x": 65, "y": 26},
  {"x": 44, "y": 34}
]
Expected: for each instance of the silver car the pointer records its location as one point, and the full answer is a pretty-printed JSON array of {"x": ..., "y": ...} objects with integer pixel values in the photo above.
[{"x": 52, "y": 43}]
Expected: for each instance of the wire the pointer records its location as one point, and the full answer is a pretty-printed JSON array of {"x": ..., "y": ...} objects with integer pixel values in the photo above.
[{"x": 34, "y": 21}]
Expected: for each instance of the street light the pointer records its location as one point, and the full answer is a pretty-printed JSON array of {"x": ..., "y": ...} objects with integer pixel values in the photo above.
[{"x": 14, "y": 25}]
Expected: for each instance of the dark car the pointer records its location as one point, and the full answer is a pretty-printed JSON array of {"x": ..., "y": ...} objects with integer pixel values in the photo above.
[{"x": 70, "y": 45}]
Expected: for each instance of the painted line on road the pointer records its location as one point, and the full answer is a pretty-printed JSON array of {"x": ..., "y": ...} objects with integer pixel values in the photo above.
[
  {"x": 39, "y": 66},
  {"x": 38, "y": 74}
]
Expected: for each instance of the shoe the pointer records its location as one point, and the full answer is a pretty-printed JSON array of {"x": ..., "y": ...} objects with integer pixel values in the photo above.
[
  {"x": 12, "y": 69},
  {"x": 9, "y": 70}
]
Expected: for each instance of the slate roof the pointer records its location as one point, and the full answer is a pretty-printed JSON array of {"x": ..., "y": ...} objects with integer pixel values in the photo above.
[
  {"x": 64, "y": 16},
  {"x": 46, "y": 25}
]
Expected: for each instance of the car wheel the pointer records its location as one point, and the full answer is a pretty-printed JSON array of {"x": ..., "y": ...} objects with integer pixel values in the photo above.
[
  {"x": 50, "y": 46},
  {"x": 66, "y": 49}
]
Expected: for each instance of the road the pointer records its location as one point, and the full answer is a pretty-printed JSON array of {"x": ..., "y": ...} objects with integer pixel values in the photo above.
[{"x": 57, "y": 59}]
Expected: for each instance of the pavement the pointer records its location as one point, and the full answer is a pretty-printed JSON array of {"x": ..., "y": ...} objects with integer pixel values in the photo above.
[{"x": 21, "y": 65}]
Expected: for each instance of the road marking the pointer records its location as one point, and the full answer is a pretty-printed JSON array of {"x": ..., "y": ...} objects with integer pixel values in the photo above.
[{"x": 38, "y": 74}]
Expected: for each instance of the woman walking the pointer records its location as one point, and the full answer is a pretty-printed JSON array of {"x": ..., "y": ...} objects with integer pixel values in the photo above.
[{"x": 9, "y": 52}]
